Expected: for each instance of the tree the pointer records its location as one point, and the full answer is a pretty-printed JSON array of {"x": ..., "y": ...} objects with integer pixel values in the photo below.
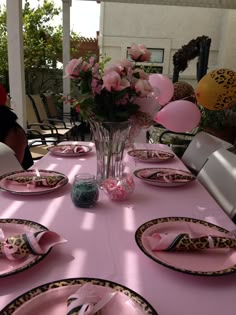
[{"x": 42, "y": 40}]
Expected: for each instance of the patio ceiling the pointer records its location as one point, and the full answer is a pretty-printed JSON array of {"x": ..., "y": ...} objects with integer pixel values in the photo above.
[{"x": 222, "y": 4}]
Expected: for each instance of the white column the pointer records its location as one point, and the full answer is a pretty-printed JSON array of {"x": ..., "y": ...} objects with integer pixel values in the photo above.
[
  {"x": 16, "y": 59},
  {"x": 66, "y": 48},
  {"x": 227, "y": 49}
]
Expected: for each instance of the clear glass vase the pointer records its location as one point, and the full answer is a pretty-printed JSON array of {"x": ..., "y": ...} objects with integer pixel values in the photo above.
[{"x": 109, "y": 139}]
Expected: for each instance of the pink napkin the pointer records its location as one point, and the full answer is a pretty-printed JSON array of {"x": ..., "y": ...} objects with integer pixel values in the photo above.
[
  {"x": 184, "y": 241},
  {"x": 22, "y": 245},
  {"x": 88, "y": 300}
]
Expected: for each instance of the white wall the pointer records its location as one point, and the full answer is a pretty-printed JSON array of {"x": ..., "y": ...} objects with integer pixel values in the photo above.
[{"x": 167, "y": 27}]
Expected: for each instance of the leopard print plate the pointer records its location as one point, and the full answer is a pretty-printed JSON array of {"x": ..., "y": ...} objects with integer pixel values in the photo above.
[
  {"x": 15, "y": 188},
  {"x": 21, "y": 300},
  {"x": 151, "y": 156},
  {"x": 27, "y": 263},
  {"x": 187, "y": 262},
  {"x": 164, "y": 177}
]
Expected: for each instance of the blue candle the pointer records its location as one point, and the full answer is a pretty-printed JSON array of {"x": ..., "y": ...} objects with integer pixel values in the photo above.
[{"x": 85, "y": 192}]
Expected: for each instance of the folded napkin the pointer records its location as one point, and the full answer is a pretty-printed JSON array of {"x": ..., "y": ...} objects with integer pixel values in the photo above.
[
  {"x": 184, "y": 241},
  {"x": 71, "y": 148},
  {"x": 36, "y": 181},
  {"x": 88, "y": 300},
  {"x": 22, "y": 245}
]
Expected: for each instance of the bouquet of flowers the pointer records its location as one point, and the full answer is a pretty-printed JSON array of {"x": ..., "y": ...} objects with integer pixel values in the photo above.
[{"x": 116, "y": 92}]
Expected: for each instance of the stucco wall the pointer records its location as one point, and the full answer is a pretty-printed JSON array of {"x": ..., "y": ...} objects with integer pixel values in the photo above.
[{"x": 167, "y": 27}]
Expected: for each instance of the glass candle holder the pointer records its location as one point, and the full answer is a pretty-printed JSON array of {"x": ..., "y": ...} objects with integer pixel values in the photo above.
[
  {"x": 119, "y": 188},
  {"x": 85, "y": 191}
]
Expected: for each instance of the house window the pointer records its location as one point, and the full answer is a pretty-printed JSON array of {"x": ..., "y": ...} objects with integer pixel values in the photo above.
[{"x": 157, "y": 55}]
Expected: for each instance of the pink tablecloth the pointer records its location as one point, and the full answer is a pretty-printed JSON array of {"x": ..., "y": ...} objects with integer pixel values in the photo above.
[{"x": 101, "y": 241}]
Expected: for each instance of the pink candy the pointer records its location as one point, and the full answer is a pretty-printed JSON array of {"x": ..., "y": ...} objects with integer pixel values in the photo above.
[{"x": 119, "y": 188}]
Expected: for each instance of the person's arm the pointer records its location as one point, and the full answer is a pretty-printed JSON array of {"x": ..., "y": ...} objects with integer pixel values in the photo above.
[{"x": 17, "y": 141}]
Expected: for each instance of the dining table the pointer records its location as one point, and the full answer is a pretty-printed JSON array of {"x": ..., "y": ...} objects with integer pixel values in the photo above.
[{"x": 101, "y": 240}]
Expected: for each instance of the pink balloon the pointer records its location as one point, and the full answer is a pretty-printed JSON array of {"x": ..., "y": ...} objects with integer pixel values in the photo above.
[
  {"x": 164, "y": 85},
  {"x": 179, "y": 116}
]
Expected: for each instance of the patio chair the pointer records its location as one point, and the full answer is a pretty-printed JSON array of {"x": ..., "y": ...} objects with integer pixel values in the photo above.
[
  {"x": 57, "y": 126},
  {"x": 71, "y": 120},
  {"x": 53, "y": 113},
  {"x": 35, "y": 128},
  {"x": 200, "y": 148},
  {"x": 218, "y": 176},
  {"x": 39, "y": 147},
  {"x": 8, "y": 160},
  {"x": 178, "y": 141}
]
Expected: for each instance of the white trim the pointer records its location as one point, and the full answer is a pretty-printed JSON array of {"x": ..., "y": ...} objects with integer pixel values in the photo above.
[
  {"x": 66, "y": 48},
  {"x": 16, "y": 59}
]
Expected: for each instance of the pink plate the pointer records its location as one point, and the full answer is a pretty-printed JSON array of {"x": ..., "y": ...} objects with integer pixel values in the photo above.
[
  {"x": 13, "y": 227},
  {"x": 164, "y": 177},
  {"x": 207, "y": 262},
  {"x": 25, "y": 189},
  {"x": 69, "y": 150},
  {"x": 51, "y": 299},
  {"x": 151, "y": 156}
]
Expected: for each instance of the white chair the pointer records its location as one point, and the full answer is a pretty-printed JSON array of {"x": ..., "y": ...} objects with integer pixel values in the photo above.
[
  {"x": 200, "y": 148},
  {"x": 8, "y": 160},
  {"x": 218, "y": 176}
]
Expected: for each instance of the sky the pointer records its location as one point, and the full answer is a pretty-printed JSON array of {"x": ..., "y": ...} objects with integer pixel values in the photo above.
[{"x": 84, "y": 16}]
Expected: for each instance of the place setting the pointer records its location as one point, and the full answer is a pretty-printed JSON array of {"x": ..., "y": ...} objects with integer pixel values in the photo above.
[
  {"x": 164, "y": 177},
  {"x": 80, "y": 295},
  {"x": 69, "y": 150},
  {"x": 151, "y": 156},
  {"x": 32, "y": 182},
  {"x": 24, "y": 243},
  {"x": 188, "y": 245}
]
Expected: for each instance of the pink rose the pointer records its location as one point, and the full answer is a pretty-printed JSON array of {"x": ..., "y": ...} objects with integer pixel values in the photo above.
[
  {"x": 114, "y": 67},
  {"x": 143, "y": 88},
  {"x": 71, "y": 69},
  {"x": 139, "y": 52},
  {"x": 113, "y": 82}
]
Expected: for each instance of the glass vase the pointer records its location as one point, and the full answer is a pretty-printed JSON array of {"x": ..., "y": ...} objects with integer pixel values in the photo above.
[{"x": 109, "y": 139}]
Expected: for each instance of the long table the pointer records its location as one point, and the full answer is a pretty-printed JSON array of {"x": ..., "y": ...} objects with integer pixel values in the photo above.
[{"x": 101, "y": 242}]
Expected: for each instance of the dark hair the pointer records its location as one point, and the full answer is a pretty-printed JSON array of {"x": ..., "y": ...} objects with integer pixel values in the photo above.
[{"x": 7, "y": 121}]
